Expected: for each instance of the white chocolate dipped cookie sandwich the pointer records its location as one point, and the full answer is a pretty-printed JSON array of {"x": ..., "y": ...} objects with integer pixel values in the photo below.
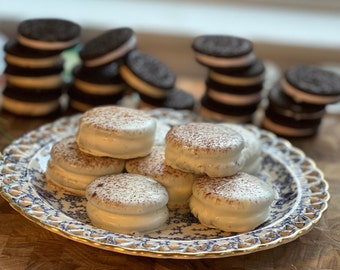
[
  {"x": 127, "y": 203},
  {"x": 116, "y": 132},
  {"x": 72, "y": 170},
  {"x": 237, "y": 203}
]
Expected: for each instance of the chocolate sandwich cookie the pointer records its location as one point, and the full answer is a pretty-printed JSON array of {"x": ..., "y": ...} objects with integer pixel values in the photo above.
[
  {"x": 288, "y": 118},
  {"x": 103, "y": 80},
  {"x": 22, "y": 56},
  {"x": 50, "y": 77},
  {"x": 311, "y": 84},
  {"x": 176, "y": 99},
  {"x": 147, "y": 75},
  {"x": 31, "y": 102},
  {"x": 48, "y": 33},
  {"x": 223, "y": 51},
  {"x": 108, "y": 47},
  {"x": 82, "y": 101},
  {"x": 215, "y": 110}
]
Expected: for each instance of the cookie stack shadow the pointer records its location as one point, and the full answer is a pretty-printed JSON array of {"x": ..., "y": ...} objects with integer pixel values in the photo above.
[{"x": 34, "y": 66}]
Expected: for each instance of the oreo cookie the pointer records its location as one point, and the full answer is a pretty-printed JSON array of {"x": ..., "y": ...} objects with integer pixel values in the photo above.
[
  {"x": 45, "y": 78},
  {"x": 147, "y": 75},
  {"x": 48, "y": 33},
  {"x": 82, "y": 101},
  {"x": 176, "y": 99},
  {"x": 22, "y": 56},
  {"x": 33, "y": 102},
  {"x": 215, "y": 110},
  {"x": 311, "y": 84},
  {"x": 288, "y": 118},
  {"x": 108, "y": 47},
  {"x": 223, "y": 51}
]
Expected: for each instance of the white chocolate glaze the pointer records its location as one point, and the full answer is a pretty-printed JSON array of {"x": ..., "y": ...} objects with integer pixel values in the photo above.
[
  {"x": 116, "y": 132},
  {"x": 127, "y": 203},
  {"x": 238, "y": 203},
  {"x": 204, "y": 148},
  {"x": 177, "y": 183},
  {"x": 252, "y": 149}
]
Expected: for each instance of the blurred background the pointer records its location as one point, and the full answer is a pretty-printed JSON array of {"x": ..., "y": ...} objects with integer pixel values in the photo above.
[{"x": 286, "y": 32}]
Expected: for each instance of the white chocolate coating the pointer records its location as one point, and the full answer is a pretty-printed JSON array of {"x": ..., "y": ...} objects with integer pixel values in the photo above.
[
  {"x": 177, "y": 183},
  {"x": 116, "y": 132},
  {"x": 238, "y": 203},
  {"x": 213, "y": 61},
  {"x": 73, "y": 170},
  {"x": 252, "y": 149},
  {"x": 127, "y": 203},
  {"x": 204, "y": 148}
]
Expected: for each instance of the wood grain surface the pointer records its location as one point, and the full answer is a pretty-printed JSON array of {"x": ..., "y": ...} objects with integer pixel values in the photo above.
[{"x": 25, "y": 245}]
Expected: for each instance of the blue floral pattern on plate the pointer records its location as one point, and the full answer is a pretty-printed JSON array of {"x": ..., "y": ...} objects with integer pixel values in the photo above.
[{"x": 301, "y": 198}]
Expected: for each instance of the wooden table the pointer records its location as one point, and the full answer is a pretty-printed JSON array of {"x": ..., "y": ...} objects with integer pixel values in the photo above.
[{"x": 25, "y": 245}]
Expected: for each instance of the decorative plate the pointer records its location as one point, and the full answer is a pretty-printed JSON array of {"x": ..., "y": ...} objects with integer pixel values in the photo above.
[{"x": 301, "y": 198}]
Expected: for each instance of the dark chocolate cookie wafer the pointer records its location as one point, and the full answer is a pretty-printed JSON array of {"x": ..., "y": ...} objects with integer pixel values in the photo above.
[
  {"x": 147, "y": 75},
  {"x": 108, "y": 47},
  {"x": 223, "y": 51},
  {"x": 311, "y": 84},
  {"x": 48, "y": 33},
  {"x": 176, "y": 99}
]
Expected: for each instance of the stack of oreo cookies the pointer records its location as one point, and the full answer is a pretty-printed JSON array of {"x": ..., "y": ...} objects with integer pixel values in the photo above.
[
  {"x": 297, "y": 103},
  {"x": 154, "y": 82},
  {"x": 97, "y": 81},
  {"x": 235, "y": 77},
  {"x": 34, "y": 66}
]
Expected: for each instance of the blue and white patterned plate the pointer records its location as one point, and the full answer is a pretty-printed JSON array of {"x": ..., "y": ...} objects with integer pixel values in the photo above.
[{"x": 301, "y": 198}]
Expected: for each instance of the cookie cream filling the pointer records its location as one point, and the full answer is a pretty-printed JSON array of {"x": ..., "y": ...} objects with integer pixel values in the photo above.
[
  {"x": 99, "y": 89},
  {"x": 234, "y": 99},
  {"x": 47, "y": 45},
  {"x": 32, "y": 62},
  {"x": 42, "y": 82},
  {"x": 127, "y": 223},
  {"x": 225, "y": 62},
  {"x": 285, "y": 130},
  {"x": 301, "y": 96},
  {"x": 140, "y": 85},
  {"x": 113, "y": 55},
  {"x": 231, "y": 80},
  {"x": 29, "y": 108}
]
